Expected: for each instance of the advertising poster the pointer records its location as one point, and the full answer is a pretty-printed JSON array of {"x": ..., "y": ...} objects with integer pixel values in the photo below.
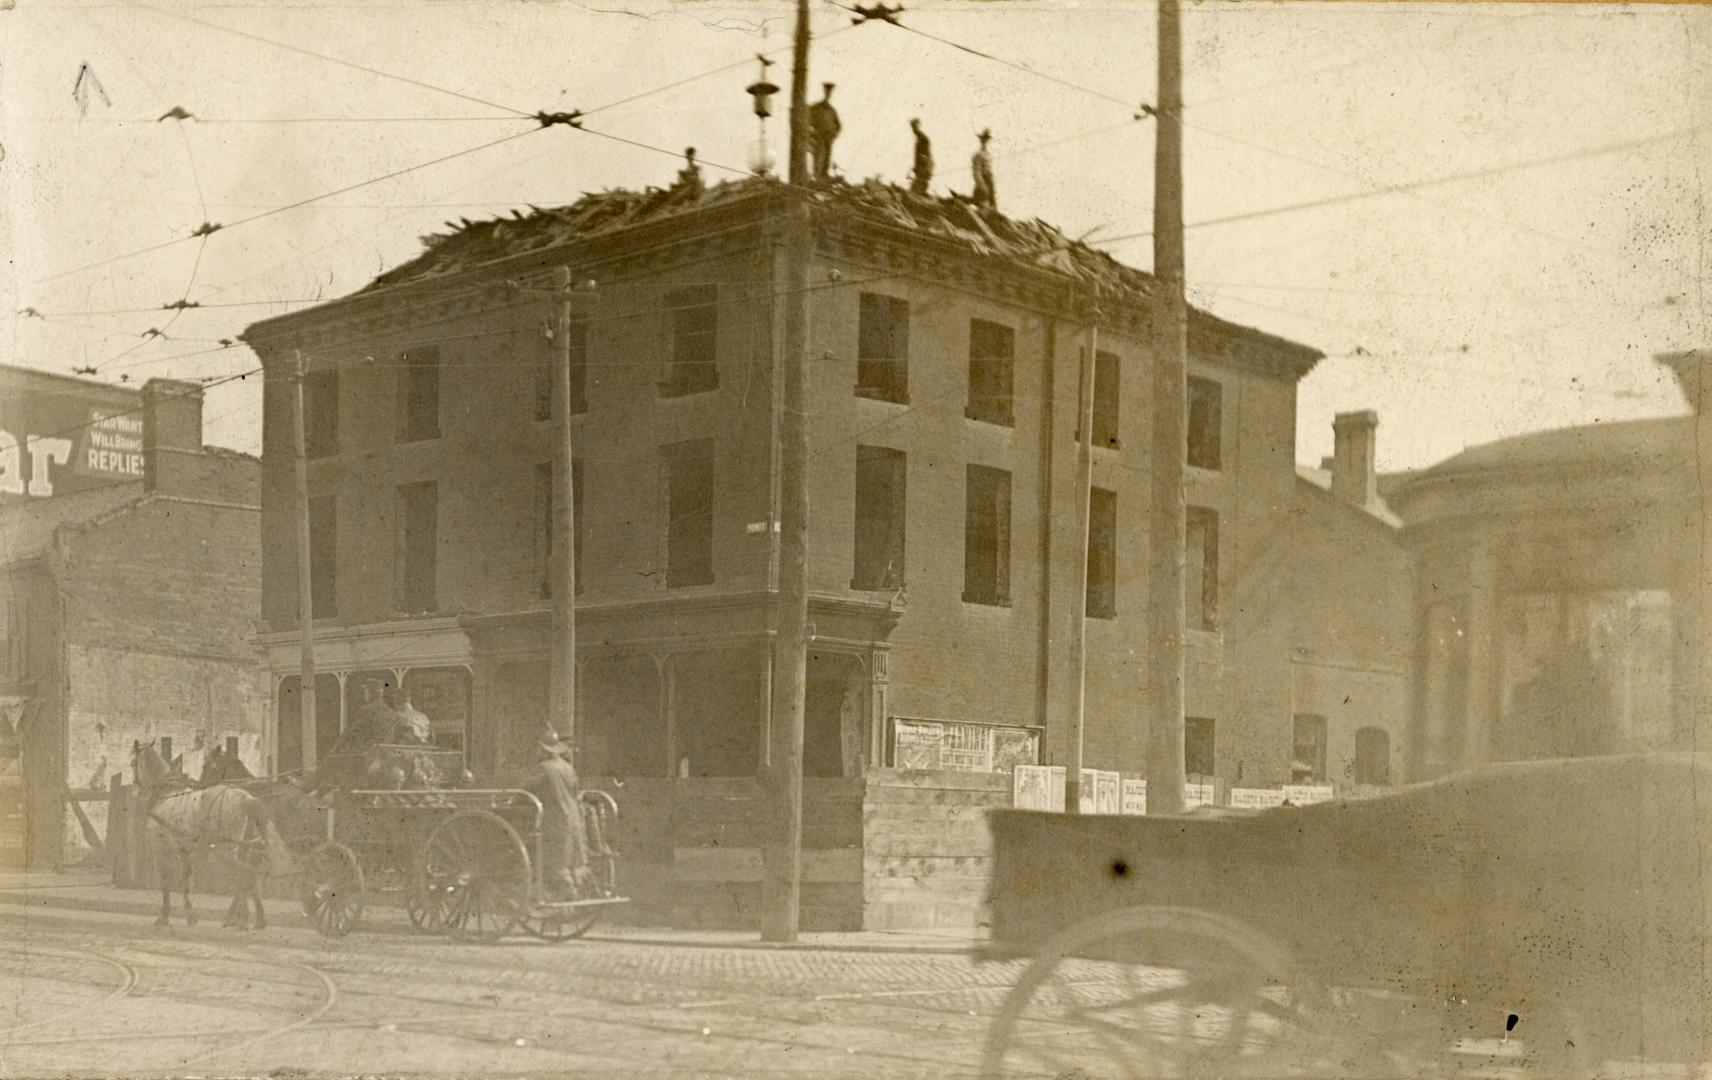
[
  {"x": 1108, "y": 793},
  {"x": 1134, "y": 796},
  {"x": 1031, "y": 787},
  {"x": 1307, "y": 794},
  {"x": 1197, "y": 795},
  {"x": 1256, "y": 798}
]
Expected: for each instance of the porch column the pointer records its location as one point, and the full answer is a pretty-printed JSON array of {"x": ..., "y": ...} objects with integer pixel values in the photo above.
[
  {"x": 879, "y": 704},
  {"x": 1482, "y": 634}
]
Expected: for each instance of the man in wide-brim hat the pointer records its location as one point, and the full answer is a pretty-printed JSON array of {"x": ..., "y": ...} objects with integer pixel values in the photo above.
[{"x": 564, "y": 855}]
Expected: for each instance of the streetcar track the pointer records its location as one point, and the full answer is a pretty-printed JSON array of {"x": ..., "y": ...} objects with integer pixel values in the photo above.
[
  {"x": 330, "y": 999},
  {"x": 127, "y": 984}
]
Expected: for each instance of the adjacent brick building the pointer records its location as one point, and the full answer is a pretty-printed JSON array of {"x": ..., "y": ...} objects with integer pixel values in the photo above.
[
  {"x": 129, "y": 584},
  {"x": 942, "y": 401}
]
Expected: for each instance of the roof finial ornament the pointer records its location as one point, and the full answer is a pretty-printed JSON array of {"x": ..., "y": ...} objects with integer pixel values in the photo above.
[
  {"x": 762, "y": 90},
  {"x": 982, "y": 166}
]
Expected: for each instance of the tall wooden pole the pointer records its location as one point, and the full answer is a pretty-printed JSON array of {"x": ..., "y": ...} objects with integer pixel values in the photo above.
[
  {"x": 1170, "y": 444},
  {"x": 783, "y": 772},
  {"x": 1079, "y": 605},
  {"x": 563, "y": 572},
  {"x": 305, "y": 583}
]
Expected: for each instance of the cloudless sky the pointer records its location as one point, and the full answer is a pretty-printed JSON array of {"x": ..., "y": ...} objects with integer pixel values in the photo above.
[{"x": 1532, "y": 295}]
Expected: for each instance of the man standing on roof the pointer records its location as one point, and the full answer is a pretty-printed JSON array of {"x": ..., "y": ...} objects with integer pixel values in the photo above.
[
  {"x": 982, "y": 166},
  {"x": 923, "y": 171},
  {"x": 823, "y": 128}
]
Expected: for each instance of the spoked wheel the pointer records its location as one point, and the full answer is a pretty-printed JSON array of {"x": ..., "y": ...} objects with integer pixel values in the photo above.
[
  {"x": 333, "y": 889},
  {"x": 426, "y": 903},
  {"x": 474, "y": 876},
  {"x": 1165, "y": 992},
  {"x": 559, "y": 925}
]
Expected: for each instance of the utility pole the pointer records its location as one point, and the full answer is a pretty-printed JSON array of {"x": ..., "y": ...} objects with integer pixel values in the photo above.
[
  {"x": 1170, "y": 443},
  {"x": 783, "y": 854},
  {"x": 305, "y": 584},
  {"x": 563, "y": 572},
  {"x": 1079, "y": 606}
]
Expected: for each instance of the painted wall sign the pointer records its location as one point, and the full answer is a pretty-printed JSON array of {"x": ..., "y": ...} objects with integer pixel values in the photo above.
[{"x": 59, "y": 437}]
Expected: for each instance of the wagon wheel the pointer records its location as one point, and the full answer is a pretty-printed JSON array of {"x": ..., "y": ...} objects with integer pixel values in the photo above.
[
  {"x": 333, "y": 889},
  {"x": 556, "y": 926},
  {"x": 475, "y": 864},
  {"x": 1160, "y": 992},
  {"x": 426, "y": 904}
]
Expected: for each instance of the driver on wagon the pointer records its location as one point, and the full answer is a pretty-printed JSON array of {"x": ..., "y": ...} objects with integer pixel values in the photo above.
[{"x": 564, "y": 858}]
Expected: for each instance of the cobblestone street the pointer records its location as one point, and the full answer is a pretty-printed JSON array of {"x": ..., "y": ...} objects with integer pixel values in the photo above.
[{"x": 92, "y": 993}]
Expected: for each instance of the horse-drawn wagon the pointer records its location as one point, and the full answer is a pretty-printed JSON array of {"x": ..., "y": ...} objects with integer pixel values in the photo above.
[
  {"x": 466, "y": 860},
  {"x": 1548, "y": 917}
]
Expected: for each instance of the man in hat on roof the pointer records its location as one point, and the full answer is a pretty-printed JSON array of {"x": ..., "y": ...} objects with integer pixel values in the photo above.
[
  {"x": 564, "y": 855},
  {"x": 823, "y": 127},
  {"x": 982, "y": 166},
  {"x": 923, "y": 170}
]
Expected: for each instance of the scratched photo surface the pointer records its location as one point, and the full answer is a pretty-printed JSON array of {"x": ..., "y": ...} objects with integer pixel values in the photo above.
[{"x": 812, "y": 539}]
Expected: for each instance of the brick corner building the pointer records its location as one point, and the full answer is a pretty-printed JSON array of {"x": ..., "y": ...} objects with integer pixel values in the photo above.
[{"x": 129, "y": 587}]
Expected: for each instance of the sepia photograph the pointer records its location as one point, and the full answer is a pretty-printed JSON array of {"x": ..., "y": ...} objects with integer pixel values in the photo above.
[{"x": 1056, "y": 539}]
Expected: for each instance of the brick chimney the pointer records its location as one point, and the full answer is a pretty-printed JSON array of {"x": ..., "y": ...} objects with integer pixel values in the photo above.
[
  {"x": 1354, "y": 477},
  {"x": 172, "y": 433}
]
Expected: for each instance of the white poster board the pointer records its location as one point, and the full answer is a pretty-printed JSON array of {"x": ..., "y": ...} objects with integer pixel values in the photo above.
[
  {"x": 1307, "y": 794},
  {"x": 1134, "y": 796},
  {"x": 1057, "y": 790},
  {"x": 1197, "y": 795},
  {"x": 1031, "y": 787},
  {"x": 1108, "y": 793},
  {"x": 1089, "y": 779},
  {"x": 1256, "y": 798}
]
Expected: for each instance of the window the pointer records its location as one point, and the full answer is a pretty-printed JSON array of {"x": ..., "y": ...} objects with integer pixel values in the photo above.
[
  {"x": 1308, "y": 750},
  {"x": 1201, "y": 569},
  {"x": 987, "y": 537},
  {"x": 695, "y": 326},
  {"x": 1198, "y": 756},
  {"x": 14, "y": 659},
  {"x": 321, "y": 413},
  {"x": 1206, "y": 419},
  {"x": 579, "y": 372},
  {"x": 879, "y": 519},
  {"x": 323, "y": 556},
  {"x": 1373, "y": 756},
  {"x": 418, "y": 541},
  {"x": 991, "y": 351},
  {"x": 443, "y": 696},
  {"x": 689, "y": 513},
  {"x": 1106, "y": 393},
  {"x": 546, "y": 527},
  {"x": 419, "y": 395},
  {"x": 882, "y": 348},
  {"x": 1102, "y": 600}
]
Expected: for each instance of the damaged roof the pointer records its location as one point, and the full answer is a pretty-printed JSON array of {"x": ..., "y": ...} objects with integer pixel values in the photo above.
[{"x": 983, "y": 232}]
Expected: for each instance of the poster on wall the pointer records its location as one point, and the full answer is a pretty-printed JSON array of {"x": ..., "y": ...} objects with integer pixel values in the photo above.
[
  {"x": 1013, "y": 747},
  {"x": 1197, "y": 795},
  {"x": 1031, "y": 787},
  {"x": 1058, "y": 777},
  {"x": 1134, "y": 796},
  {"x": 1306, "y": 794},
  {"x": 1108, "y": 793},
  {"x": 1256, "y": 798},
  {"x": 917, "y": 746},
  {"x": 1090, "y": 778}
]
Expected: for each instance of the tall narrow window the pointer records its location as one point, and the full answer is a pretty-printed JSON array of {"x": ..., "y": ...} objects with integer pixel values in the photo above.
[
  {"x": 689, "y": 513},
  {"x": 1308, "y": 750},
  {"x": 1106, "y": 394},
  {"x": 694, "y": 316},
  {"x": 1199, "y": 760},
  {"x": 419, "y": 395},
  {"x": 323, "y": 556},
  {"x": 546, "y": 527},
  {"x": 1102, "y": 554},
  {"x": 992, "y": 349},
  {"x": 1373, "y": 756},
  {"x": 321, "y": 413},
  {"x": 987, "y": 537},
  {"x": 1201, "y": 569},
  {"x": 549, "y": 356},
  {"x": 882, "y": 348},
  {"x": 1206, "y": 422},
  {"x": 879, "y": 518},
  {"x": 418, "y": 543}
]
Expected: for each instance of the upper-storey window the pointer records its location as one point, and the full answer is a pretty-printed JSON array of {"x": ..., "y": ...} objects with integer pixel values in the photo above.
[
  {"x": 689, "y": 513},
  {"x": 1206, "y": 420},
  {"x": 879, "y": 540},
  {"x": 1106, "y": 395},
  {"x": 419, "y": 395},
  {"x": 882, "y": 348},
  {"x": 693, "y": 366},
  {"x": 321, "y": 412},
  {"x": 987, "y": 536},
  {"x": 992, "y": 351}
]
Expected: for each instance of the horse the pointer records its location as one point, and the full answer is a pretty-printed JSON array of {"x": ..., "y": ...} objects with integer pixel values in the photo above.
[{"x": 185, "y": 823}]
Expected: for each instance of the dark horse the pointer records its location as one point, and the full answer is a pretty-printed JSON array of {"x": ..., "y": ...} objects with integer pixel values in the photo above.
[{"x": 186, "y": 823}]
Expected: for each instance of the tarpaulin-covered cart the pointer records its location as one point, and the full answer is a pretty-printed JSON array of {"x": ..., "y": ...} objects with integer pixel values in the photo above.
[
  {"x": 1546, "y": 917},
  {"x": 467, "y": 860}
]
